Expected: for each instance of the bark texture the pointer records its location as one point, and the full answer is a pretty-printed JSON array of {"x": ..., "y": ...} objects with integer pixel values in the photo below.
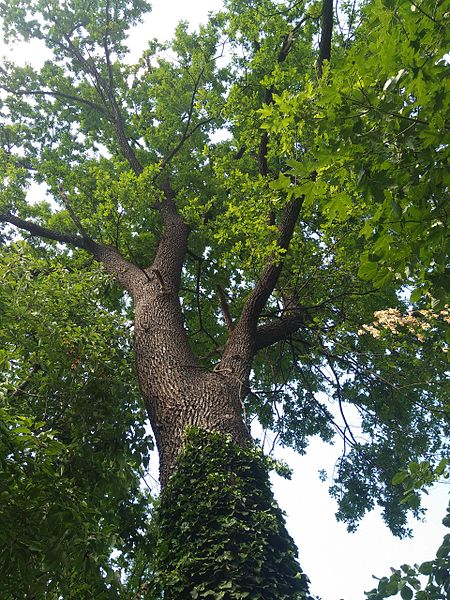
[{"x": 177, "y": 391}]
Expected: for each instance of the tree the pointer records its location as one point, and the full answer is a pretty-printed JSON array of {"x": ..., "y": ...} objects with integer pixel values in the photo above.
[{"x": 257, "y": 269}]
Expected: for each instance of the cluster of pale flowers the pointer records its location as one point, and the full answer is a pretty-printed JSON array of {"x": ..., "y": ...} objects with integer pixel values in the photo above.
[{"x": 417, "y": 322}]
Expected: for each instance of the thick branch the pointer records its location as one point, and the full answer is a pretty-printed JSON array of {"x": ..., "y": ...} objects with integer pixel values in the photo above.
[
  {"x": 172, "y": 247},
  {"x": 266, "y": 284},
  {"x": 123, "y": 139},
  {"x": 240, "y": 347},
  {"x": 246, "y": 339},
  {"x": 325, "y": 36},
  {"x": 49, "y": 234},
  {"x": 128, "y": 274},
  {"x": 286, "y": 46},
  {"x": 275, "y": 331}
]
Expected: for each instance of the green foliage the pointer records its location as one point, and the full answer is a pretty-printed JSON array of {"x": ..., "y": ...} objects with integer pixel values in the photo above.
[
  {"x": 417, "y": 477},
  {"x": 409, "y": 581},
  {"x": 427, "y": 581},
  {"x": 221, "y": 534},
  {"x": 365, "y": 150},
  {"x": 375, "y": 139},
  {"x": 72, "y": 442}
]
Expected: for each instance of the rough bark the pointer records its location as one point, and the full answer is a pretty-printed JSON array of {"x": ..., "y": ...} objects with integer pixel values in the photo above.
[
  {"x": 178, "y": 394},
  {"x": 177, "y": 391},
  {"x": 326, "y": 35}
]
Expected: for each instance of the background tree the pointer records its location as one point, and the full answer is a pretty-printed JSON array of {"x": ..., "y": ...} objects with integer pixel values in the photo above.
[
  {"x": 73, "y": 443},
  {"x": 256, "y": 272}
]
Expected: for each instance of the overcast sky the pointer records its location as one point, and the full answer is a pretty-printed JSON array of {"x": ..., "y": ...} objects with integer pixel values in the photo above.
[{"x": 340, "y": 565}]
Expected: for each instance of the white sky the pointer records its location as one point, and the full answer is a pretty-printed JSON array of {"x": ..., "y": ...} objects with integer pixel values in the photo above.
[{"x": 340, "y": 565}]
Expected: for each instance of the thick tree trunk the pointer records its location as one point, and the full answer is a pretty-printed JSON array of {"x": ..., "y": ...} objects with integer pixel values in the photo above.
[
  {"x": 220, "y": 531},
  {"x": 177, "y": 391}
]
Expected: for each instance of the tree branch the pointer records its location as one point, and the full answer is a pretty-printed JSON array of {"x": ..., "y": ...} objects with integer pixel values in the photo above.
[
  {"x": 58, "y": 96},
  {"x": 325, "y": 36},
  {"x": 240, "y": 347},
  {"x": 186, "y": 133},
  {"x": 106, "y": 93},
  {"x": 49, "y": 234},
  {"x": 286, "y": 46},
  {"x": 225, "y": 308},
  {"x": 275, "y": 331},
  {"x": 107, "y": 52},
  {"x": 339, "y": 397},
  {"x": 172, "y": 246},
  {"x": 246, "y": 339},
  {"x": 71, "y": 212},
  {"x": 129, "y": 275},
  {"x": 268, "y": 280}
]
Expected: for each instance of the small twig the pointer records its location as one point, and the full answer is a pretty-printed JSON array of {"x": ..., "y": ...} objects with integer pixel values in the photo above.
[
  {"x": 420, "y": 9},
  {"x": 341, "y": 409}
]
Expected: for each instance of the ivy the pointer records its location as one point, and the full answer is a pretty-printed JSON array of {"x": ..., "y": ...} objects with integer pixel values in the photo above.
[{"x": 221, "y": 533}]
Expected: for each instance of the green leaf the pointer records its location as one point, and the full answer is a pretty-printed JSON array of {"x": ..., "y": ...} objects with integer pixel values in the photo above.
[
  {"x": 406, "y": 593},
  {"x": 426, "y": 568}
]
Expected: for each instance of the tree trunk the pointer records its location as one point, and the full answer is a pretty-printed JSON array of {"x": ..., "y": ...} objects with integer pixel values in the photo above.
[
  {"x": 177, "y": 391},
  {"x": 218, "y": 528},
  {"x": 220, "y": 531}
]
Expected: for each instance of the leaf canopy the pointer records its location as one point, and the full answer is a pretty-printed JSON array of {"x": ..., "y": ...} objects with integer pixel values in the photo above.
[{"x": 237, "y": 119}]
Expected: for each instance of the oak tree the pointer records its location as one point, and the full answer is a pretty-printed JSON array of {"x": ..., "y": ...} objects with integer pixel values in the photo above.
[{"x": 230, "y": 231}]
